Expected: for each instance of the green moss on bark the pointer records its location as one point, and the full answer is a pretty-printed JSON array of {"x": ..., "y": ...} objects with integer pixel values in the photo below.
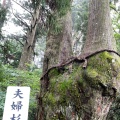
[
  {"x": 78, "y": 86},
  {"x": 101, "y": 69}
]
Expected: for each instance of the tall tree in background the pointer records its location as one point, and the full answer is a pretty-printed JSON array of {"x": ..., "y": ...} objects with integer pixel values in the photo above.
[
  {"x": 115, "y": 11},
  {"x": 84, "y": 91},
  {"x": 80, "y": 22},
  {"x": 28, "y": 50}
]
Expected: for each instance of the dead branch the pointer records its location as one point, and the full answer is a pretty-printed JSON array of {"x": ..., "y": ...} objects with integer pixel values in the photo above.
[
  {"x": 21, "y": 20},
  {"x": 23, "y": 8}
]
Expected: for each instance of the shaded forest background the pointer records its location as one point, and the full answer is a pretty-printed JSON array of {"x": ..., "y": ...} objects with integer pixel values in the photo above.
[{"x": 34, "y": 18}]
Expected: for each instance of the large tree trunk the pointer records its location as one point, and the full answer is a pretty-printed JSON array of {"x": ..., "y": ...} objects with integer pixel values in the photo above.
[
  {"x": 28, "y": 50},
  {"x": 84, "y": 87},
  {"x": 58, "y": 45},
  {"x": 58, "y": 50},
  {"x": 101, "y": 67},
  {"x": 99, "y": 34}
]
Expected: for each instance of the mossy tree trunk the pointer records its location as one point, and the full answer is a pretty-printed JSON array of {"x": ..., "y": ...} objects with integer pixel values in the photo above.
[
  {"x": 102, "y": 66},
  {"x": 28, "y": 49},
  {"x": 58, "y": 47},
  {"x": 85, "y": 87}
]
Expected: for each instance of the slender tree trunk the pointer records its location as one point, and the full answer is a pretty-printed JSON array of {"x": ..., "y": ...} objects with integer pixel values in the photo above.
[{"x": 28, "y": 50}]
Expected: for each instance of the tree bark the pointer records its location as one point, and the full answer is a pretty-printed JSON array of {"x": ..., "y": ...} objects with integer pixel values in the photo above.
[
  {"x": 28, "y": 50},
  {"x": 58, "y": 45},
  {"x": 4, "y": 4},
  {"x": 58, "y": 50},
  {"x": 100, "y": 33},
  {"x": 84, "y": 89},
  {"x": 99, "y": 37}
]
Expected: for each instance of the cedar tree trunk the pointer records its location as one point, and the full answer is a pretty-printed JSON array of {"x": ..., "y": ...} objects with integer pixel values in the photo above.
[
  {"x": 58, "y": 45},
  {"x": 99, "y": 34},
  {"x": 28, "y": 50},
  {"x": 84, "y": 87},
  {"x": 102, "y": 71},
  {"x": 58, "y": 50}
]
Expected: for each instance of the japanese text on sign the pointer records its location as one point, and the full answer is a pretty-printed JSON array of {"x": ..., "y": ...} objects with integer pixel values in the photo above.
[{"x": 16, "y": 104}]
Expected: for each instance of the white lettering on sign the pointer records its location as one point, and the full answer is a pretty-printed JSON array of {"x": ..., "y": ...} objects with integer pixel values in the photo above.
[{"x": 16, "y": 103}]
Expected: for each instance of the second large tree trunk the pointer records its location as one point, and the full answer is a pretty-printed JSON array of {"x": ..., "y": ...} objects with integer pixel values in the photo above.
[{"x": 100, "y": 33}]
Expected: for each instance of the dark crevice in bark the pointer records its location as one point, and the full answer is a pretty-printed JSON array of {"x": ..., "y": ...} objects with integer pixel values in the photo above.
[
  {"x": 107, "y": 90},
  {"x": 40, "y": 103}
]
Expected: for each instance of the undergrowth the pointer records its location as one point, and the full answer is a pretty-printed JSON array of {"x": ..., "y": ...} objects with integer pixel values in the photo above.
[{"x": 13, "y": 77}]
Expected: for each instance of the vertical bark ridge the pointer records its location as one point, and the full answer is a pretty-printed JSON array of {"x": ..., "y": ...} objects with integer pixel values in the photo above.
[
  {"x": 58, "y": 46},
  {"x": 99, "y": 34}
]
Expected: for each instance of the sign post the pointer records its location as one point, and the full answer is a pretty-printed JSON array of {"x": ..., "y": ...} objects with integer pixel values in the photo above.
[{"x": 16, "y": 103}]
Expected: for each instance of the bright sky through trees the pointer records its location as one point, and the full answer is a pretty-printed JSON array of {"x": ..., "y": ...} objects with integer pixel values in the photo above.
[{"x": 10, "y": 27}]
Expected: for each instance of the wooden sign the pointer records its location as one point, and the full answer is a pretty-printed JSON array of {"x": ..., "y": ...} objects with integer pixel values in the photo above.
[{"x": 16, "y": 103}]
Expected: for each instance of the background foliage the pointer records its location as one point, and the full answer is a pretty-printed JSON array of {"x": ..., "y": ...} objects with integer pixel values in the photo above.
[{"x": 10, "y": 76}]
